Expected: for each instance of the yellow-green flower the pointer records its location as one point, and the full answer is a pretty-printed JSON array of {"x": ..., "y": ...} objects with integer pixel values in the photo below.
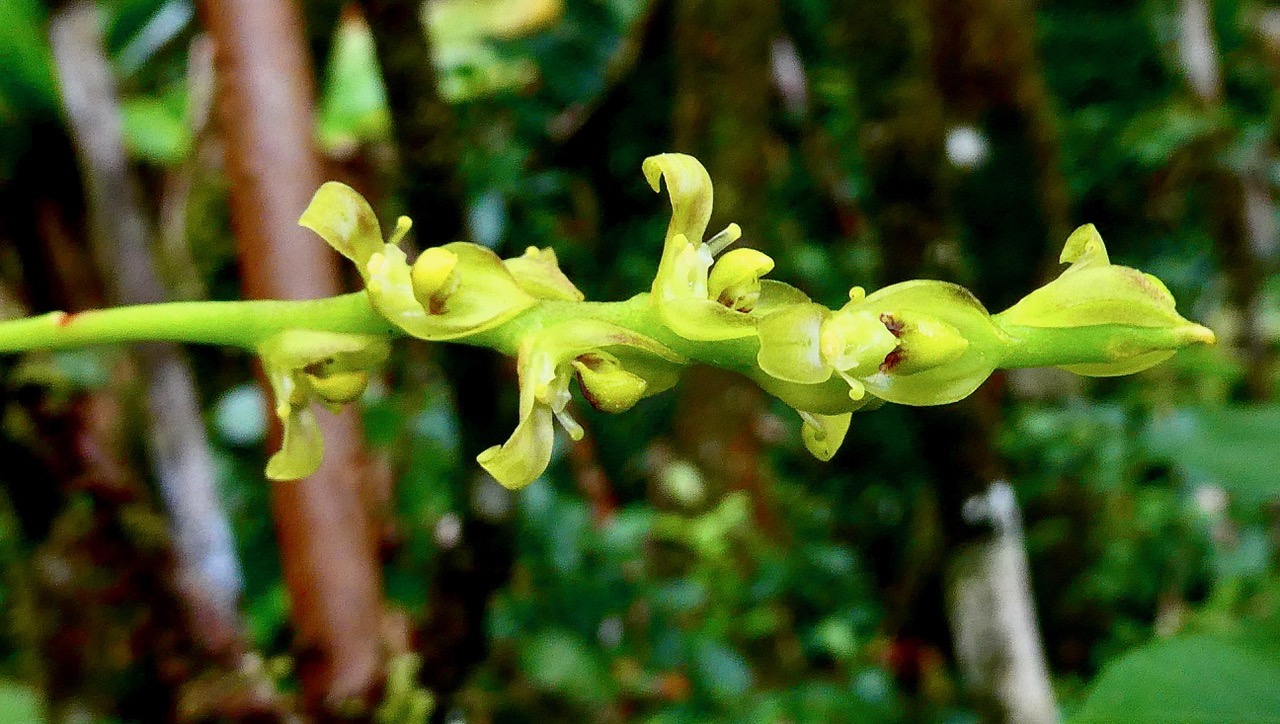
[
  {"x": 450, "y": 291},
  {"x": 615, "y": 367},
  {"x": 305, "y": 366},
  {"x": 915, "y": 343},
  {"x": 947, "y": 343},
  {"x": 695, "y": 296}
]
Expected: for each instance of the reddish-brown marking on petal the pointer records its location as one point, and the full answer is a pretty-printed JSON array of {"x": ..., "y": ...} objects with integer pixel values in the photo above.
[
  {"x": 593, "y": 363},
  {"x": 65, "y": 319},
  {"x": 893, "y": 325},
  {"x": 891, "y": 360}
]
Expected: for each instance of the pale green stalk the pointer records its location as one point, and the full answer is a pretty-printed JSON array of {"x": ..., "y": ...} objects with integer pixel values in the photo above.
[
  {"x": 246, "y": 324},
  {"x": 243, "y": 324}
]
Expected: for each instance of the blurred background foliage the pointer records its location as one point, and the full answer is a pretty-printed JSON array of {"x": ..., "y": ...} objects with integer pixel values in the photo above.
[{"x": 688, "y": 561}]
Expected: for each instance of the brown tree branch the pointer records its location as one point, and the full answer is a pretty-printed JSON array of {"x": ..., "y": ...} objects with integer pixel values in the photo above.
[{"x": 265, "y": 108}]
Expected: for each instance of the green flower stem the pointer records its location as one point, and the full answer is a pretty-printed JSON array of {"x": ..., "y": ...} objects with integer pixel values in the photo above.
[
  {"x": 1099, "y": 343},
  {"x": 636, "y": 314},
  {"x": 247, "y": 324},
  {"x": 238, "y": 324}
]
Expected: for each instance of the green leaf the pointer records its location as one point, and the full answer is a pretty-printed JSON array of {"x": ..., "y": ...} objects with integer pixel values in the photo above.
[
  {"x": 27, "y": 81},
  {"x": 723, "y": 671},
  {"x": 1232, "y": 446},
  {"x": 156, "y": 129},
  {"x": 20, "y": 703},
  {"x": 562, "y": 662},
  {"x": 1200, "y": 678}
]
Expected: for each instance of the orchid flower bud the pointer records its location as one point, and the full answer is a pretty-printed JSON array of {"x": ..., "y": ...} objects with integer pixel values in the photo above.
[{"x": 1125, "y": 319}]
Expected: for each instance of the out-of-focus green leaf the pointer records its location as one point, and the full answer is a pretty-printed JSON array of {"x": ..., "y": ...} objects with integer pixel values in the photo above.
[
  {"x": 467, "y": 60},
  {"x": 470, "y": 70},
  {"x": 722, "y": 670},
  {"x": 156, "y": 129},
  {"x": 455, "y": 21},
  {"x": 561, "y": 662},
  {"x": 1151, "y": 138},
  {"x": 267, "y": 614},
  {"x": 1234, "y": 447},
  {"x": 26, "y": 65},
  {"x": 20, "y": 703},
  {"x": 353, "y": 109},
  {"x": 1201, "y": 678}
]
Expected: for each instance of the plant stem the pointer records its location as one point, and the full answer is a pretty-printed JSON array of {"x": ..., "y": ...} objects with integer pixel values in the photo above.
[
  {"x": 247, "y": 324},
  {"x": 237, "y": 324},
  {"x": 1054, "y": 347}
]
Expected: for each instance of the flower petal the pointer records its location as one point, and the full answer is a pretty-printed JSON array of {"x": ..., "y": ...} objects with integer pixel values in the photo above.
[
  {"x": 775, "y": 295},
  {"x": 680, "y": 297},
  {"x": 791, "y": 346},
  {"x": 689, "y": 186},
  {"x": 538, "y": 273},
  {"x": 301, "y": 447},
  {"x": 296, "y": 349},
  {"x": 345, "y": 220},
  {"x": 951, "y": 376},
  {"x": 734, "y": 281},
  {"x": 855, "y": 341},
  {"x": 826, "y": 398},
  {"x": 526, "y": 454}
]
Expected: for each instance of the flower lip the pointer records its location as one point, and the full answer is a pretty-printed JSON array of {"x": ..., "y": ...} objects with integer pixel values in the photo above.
[{"x": 734, "y": 281}]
